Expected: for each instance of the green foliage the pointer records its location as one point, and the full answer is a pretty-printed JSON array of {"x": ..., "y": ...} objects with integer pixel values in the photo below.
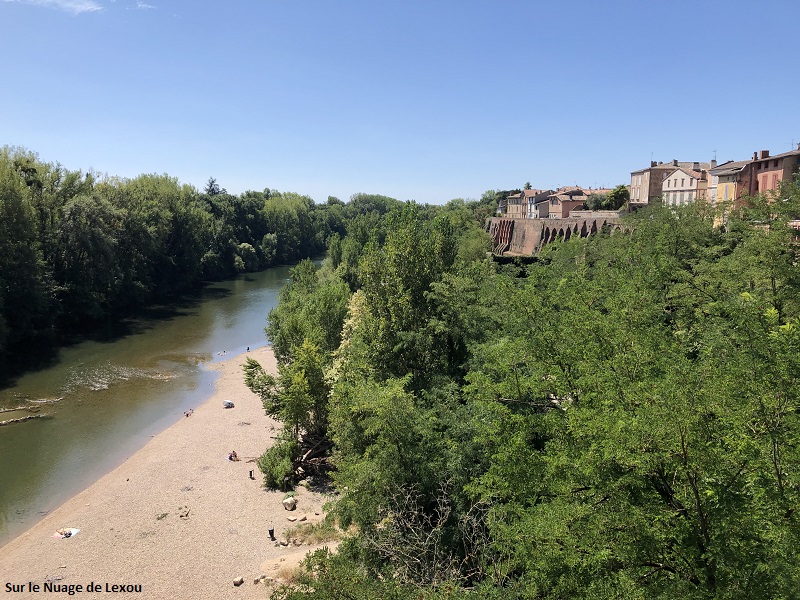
[
  {"x": 384, "y": 443},
  {"x": 289, "y": 216},
  {"x": 396, "y": 280},
  {"x": 277, "y": 463},
  {"x": 77, "y": 249},
  {"x": 311, "y": 307},
  {"x": 618, "y": 197},
  {"x": 614, "y": 200},
  {"x": 638, "y": 450},
  {"x": 334, "y": 577},
  {"x": 87, "y": 267},
  {"x": 298, "y": 397},
  {"x": 621, "y": 422}
]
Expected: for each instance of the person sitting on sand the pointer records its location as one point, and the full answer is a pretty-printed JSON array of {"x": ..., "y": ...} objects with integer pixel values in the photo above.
[{"x": 233, "y": 455}]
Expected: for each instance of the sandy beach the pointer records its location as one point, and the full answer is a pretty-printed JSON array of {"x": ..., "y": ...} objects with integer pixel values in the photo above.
[{"x": 177, "y": 518}]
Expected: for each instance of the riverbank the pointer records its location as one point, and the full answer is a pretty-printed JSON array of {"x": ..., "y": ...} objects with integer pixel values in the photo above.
[{"x": 176, "y": 518}]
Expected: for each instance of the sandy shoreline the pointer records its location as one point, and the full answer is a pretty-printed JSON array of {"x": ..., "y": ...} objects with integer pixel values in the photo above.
[{"x": 133, "y": 523}]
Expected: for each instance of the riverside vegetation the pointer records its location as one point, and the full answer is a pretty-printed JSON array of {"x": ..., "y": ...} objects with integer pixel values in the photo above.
[
  {"x": 616, "y": 420},
  {"x": 81, "y": 249}
]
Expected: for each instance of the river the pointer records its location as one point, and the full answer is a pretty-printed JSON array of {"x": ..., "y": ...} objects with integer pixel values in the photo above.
[{"x": 117, "y": 393}]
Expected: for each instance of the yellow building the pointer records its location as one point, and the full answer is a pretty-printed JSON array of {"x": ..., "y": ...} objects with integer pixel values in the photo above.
[{"x": 728, "y": 174}]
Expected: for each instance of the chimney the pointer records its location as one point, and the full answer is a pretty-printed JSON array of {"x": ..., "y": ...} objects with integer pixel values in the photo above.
[
  {"x": 713, "y": 163},
  {"x": 695, "y": 166},
  {"x": 703, "y": 175},
  {"x": 764, "y": 154},
  {"x": 653, "y": 163},
  {"x": 755, "y": 155},
  {"x": 674, "y": 162}
]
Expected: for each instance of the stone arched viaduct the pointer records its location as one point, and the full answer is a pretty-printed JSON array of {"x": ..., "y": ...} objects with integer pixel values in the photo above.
[{"x": 525, "y": 237}]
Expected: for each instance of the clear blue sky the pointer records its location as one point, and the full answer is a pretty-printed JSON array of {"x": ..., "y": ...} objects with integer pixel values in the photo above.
[{"x": 427, "y": 100}]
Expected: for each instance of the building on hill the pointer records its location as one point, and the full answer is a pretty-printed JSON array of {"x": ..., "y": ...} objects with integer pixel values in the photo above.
[
  {"x": 568, "y": 198},
  {"x": 536, "y": 202},
  {"x": 727, "y": 175},
  {"x": 515, "y": 209},
  {"x": 765, "y": 172},
  {"x": 684, "y": 186},
  {"x": 525, "y": 204},
  {"x": 646, "y": 184}
]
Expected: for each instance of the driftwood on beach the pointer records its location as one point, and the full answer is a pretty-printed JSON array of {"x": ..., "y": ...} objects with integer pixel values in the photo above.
[{"x": 315, "y": 458}]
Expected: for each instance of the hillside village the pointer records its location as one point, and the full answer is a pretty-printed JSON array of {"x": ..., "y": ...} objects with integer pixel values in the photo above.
[{"x": 675, "y": 183}]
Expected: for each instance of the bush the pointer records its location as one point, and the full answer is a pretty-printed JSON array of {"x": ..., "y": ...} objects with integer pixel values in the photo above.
[{"x": 277, "y": 464}]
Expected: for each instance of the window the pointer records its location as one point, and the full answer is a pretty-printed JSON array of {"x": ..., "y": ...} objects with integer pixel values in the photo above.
[
  {"x": 681, "y": 198},
  {"x": 691, "y": 182},
  {"x": 683, "y": 181},
  {"x": 775, "y": 181}
]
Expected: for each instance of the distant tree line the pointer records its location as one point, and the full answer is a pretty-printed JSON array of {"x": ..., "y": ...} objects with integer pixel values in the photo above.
[{"x": 78, "y": 248}]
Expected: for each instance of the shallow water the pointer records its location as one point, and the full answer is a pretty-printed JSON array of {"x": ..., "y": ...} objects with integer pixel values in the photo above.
[{"x": 112, "y": 396}]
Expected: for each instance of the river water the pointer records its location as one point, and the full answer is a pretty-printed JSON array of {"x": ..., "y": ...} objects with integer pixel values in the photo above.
[{"x": 117, "y": 393}]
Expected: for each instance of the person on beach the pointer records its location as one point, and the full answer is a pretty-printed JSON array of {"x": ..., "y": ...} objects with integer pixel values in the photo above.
[{"x": 233, "y": 455}]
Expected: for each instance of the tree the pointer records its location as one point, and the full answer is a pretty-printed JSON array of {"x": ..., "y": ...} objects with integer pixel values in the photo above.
[
  {"x": 623, "y": 426},
  {"x": 87, "y": 264},
  {"x": 24, "y": 296},
  {"x": 614, "y": 200},
  {"x": 213, "y": 189},
  {"x": 618, "y": 197},
  {"x": 298, "y": 398},
  {"x": 309, "y": 308}
]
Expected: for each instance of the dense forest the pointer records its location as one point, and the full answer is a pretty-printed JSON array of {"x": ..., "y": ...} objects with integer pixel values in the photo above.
[
  {"x": 618, "y": 419},
  {"x": 77, "y": 249}
]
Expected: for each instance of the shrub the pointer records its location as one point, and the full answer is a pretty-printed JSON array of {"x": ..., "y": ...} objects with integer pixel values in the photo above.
[{"x": 277, "y": 464}]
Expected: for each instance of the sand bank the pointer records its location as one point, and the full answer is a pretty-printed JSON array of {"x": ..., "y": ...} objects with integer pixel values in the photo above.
[{"x": 177, "y": 518}]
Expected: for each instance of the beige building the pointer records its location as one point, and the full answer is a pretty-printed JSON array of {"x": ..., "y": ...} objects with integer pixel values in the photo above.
[
  {"x": 527, "y": 204},
  {"x": 684, "y": 186},
  {"x": 515, "y": 208},
  {"x": 646, "y": 184},
  {"x": 536, "y": 201}
]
